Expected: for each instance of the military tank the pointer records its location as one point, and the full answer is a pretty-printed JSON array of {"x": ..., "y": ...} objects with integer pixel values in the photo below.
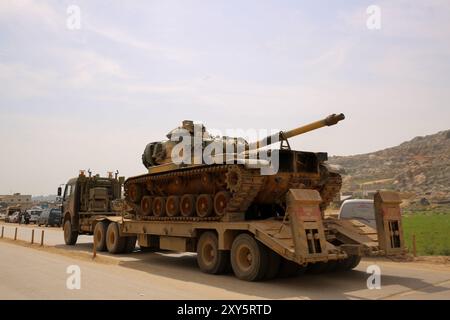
[{"x": 239, "y": 181}]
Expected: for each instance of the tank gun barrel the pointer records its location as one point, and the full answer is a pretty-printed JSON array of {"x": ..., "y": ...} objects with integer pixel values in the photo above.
[{"x": 331, "y": 120}]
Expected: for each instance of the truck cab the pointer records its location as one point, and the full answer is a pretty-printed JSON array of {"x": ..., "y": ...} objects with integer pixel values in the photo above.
[{"x": 85, "y": 200}]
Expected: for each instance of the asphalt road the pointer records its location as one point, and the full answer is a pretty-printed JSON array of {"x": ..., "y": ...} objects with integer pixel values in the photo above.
[{"x": 30, "y": 272}]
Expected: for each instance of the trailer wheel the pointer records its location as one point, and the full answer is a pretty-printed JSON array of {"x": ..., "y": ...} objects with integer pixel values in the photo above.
[
  {"x": 114, "y": 242},
  {"x": 273, "y": 265},
  {"x": 130, "y": 244},
  {"x": 355, "y": 260},
  {"x": 100, "y": 235},
  {"x": 349, "y": 263},
  {"x": 249, "y": 258},
  {"x": 70, "y": 236},
  {"x": 318, "y": 267},
  {"x": 209, "y": 258},
  {"x": 289, "y": 269}
]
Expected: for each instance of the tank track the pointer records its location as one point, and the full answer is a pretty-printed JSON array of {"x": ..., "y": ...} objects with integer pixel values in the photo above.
[{"x": 251, "y": 183}]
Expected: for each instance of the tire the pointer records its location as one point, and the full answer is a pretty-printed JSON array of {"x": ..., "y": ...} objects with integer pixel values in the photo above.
[
  {"x": 318, "y": 267},
  {"x": 348, "y": 264},
  {"x": 273, "y": 266},
  {"x": 114, "y": 242},
  {"x": 70, "y": 236},
  {"x": 173, "y": 206},
  {"x": 249, "y": 258},
  {"x": 209, "y": 258},
  {"x": 100, "y": 235},
  {"x": 130, "y": 244},
  {"x": 289, "y": 269}
]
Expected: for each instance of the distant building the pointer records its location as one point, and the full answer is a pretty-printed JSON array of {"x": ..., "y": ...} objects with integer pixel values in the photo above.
[{"x": 16, "y": 199}]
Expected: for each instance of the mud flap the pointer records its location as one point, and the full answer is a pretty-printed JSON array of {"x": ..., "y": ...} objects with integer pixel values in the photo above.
[
  {"x": 389, "y": 222},
  {"x": 306, "y": 223}
]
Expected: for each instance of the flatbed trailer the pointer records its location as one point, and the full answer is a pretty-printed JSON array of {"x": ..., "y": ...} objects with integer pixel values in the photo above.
[{"x": 262, "y": 249}]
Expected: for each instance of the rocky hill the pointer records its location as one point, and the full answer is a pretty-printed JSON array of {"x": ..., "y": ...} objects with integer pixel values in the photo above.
[{"x": 420, "y": 168}]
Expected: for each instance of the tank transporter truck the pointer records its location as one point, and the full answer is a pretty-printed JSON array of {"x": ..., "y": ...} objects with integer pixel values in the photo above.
[
  {"x": 87, "y": 201},
  {"x": 235, "y": 217}
]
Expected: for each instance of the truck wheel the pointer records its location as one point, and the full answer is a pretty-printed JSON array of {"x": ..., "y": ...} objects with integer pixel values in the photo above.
[
  {"x": 100, "y": 235},
  {"x": 289, "y": 269},
  {"x": 273, "y": 266},
  {"x": 114, "y": 242},
  {"x": 249, "y": 258},
  {"x": 70, "y": 236},
  {"x": 209, "y": 258},
  {"x": 130, "y": 244}
]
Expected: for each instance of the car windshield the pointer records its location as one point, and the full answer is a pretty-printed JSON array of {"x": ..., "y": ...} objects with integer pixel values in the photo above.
[{"x": 363, "y": 210}]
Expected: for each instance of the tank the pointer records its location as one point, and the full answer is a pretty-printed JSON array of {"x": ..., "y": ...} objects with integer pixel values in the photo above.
[{"x": 196, "y": 176}]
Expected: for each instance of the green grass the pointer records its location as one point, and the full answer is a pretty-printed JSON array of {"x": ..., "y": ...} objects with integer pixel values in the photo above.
[{"x": 432, "y": 230}]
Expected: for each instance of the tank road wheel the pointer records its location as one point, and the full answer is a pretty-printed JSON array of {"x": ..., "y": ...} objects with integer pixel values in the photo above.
[
  {"x": 187, "y": 205},
  {"x": 134, "y": 193},
  {"x": 146, "y": 206},
  {"x": 220, "y": 202},
  {"x": 114, "y": 242},
  {"x": 173, "y": 206},
  {"x": 159, "y": 207},
  {"x": 209, "y": 258},
  {"x": 70, "y": 236},
  {"x": 249, "y": 258},
  {"x": 204, "y": 205},
  {"x": 100, "y": 235}
]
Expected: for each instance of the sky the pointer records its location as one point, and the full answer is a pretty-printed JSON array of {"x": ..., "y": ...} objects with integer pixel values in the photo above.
[{"x": 94, "y": 96}]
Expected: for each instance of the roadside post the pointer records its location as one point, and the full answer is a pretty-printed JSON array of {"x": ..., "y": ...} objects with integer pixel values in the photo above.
[
  {"x": 42, "y": 237},
  {"x": 32, "y": 236},
  {"x": 15, "y": 234}
]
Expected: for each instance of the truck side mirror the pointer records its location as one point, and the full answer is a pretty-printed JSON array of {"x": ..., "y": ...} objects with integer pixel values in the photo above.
[{"x": 59, "y": 191}]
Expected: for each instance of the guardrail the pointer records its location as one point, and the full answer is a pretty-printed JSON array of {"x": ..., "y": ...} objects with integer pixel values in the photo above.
[{"x": 16, "y": 234}]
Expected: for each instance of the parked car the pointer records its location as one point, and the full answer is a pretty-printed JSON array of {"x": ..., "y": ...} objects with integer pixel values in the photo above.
[
  {"x": 34, "y": 215},
  {"x": 359, "y": 209},
  {"x": 13, "y": 218},
  {"x": 50, "y": 217}
]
